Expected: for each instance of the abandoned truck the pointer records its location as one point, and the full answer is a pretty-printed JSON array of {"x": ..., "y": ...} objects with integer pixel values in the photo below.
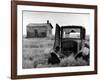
[{"x": 70, "y": 39}]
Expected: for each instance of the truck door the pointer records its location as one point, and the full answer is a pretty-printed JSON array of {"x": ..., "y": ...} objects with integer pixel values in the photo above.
[{"x": 57, "y": 37}]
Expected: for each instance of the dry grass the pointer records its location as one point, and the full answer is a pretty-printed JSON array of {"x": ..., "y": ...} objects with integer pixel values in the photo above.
[
  {"x": 35, "y": 51},
  {"x": 36, "y": 54}
]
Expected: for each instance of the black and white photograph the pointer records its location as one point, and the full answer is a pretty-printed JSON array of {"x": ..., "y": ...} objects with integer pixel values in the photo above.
[{"x": 55, "y": 39}]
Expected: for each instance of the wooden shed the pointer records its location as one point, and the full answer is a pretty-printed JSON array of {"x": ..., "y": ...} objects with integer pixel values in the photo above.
[{"x": 39, "y": 30}]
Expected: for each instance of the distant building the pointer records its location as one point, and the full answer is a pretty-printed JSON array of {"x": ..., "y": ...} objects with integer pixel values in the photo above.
[{"x": 39, "y": 30}]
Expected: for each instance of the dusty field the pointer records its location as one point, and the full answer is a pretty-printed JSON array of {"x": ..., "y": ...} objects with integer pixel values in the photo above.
[
  {"x": 36, "y": 54},
  {"x": 35, "y": 51}
]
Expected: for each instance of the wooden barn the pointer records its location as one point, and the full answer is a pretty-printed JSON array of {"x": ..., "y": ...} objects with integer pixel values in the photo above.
[{"x": 39, "y": 30}]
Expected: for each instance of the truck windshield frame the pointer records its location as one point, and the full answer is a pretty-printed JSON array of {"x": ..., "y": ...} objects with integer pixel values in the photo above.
[{"x": 79, "y": 29}]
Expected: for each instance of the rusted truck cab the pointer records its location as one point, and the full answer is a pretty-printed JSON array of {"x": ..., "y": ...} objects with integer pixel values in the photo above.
[{"x": 72, "y": 39}]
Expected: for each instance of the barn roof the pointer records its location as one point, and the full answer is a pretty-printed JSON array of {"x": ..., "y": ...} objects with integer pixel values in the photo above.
[{"x": 39, "y": 24}]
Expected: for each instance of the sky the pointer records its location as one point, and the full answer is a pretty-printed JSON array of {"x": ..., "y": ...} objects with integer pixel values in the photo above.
[{"x": 61, "y": 18}]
